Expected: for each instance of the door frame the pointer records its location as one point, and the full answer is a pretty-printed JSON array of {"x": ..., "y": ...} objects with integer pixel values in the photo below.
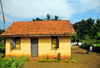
[{"x": 31, "y": 47}]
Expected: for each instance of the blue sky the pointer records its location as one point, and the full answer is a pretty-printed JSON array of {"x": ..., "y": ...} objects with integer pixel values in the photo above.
[{"x": 26, "y": 10}]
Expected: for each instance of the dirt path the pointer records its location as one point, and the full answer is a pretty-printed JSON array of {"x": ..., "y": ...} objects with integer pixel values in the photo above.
[{"x": 82, "y": 60}]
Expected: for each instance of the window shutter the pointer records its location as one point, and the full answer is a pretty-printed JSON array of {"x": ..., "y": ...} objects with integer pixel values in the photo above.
[
  {"x": 57, "y": 42},
  {"x": 13, "y": 43}
]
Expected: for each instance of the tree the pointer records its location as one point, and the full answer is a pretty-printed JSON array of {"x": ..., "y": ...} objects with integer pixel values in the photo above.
[
  {"x": 56, "y": 17},
  {"x": 1, "y": 31},
  {"x": 98, "y": 36},
  {"x": 37, "y": 19},
  {"x": 91, "y": 25},
  {"x": 85, "y": 27},
  {"x": 48, "y": 17},
  {"x": 98, "y": 25}
]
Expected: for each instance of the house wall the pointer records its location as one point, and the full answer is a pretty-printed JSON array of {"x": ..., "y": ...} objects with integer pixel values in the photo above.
[
  {"x": 24, "y": 49},
  {"x": 64, "y": 47},
  {"x": 44, "y": 47}
]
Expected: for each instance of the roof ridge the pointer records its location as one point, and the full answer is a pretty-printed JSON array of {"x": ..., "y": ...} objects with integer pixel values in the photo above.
[{"x": 39, "y": 21}]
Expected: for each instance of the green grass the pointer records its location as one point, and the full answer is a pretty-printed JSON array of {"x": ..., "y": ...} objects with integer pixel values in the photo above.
[{"x": 82, "y": 60}]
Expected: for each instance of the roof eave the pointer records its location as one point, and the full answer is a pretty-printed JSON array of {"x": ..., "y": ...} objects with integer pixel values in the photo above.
[{"x": 37, "y": 35}]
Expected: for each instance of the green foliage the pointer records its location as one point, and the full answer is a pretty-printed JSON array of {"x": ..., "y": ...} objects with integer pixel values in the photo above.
[
  {"x": 77, "y": 38},
  {"x": 1, "y": 56},
  {"x": 2, "y": 49},
  {"x": 49, "y": 60},
  {"x": 13, "y": 62},
  {"x": 59, "y": 56},
  {"x": 5, "y": 58},
  {"x": 56, "y": 17},
  {"x": 43, "y": 60},
  {"x": 66, "y": 61},
  {"x": 40, "y": 58},
  {"x": 1, "y": 38},
  {"x": 72, "y": 61},
  {"x": 1, "y": 31},
  {"x": 91, "y": 42},
  {"x": 1, "y": 45},
  {"x": 98, "y": 25},
  {"x": 56, "y": 60},
  {"x": 98, "y": 36},
  {"x": 48, "y": 17},
  {"x": 24, "y": 58},
  {"x": 37, "y": 19},
  {"x": 87, "y": 28},
  {"x": 47, "y": 56}
]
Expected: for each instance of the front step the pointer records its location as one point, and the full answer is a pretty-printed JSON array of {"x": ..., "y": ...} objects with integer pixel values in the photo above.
[
  {"x": 34, "y": 58},
  {"x": 32, "y": 61}
]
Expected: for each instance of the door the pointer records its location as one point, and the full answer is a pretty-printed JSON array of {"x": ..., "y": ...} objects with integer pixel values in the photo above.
[{"x": 34, "y": 47}]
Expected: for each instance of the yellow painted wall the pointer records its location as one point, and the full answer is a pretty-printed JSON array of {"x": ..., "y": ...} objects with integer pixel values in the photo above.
[
  {"x": 24, "y": 49},
  {"x": 44, "y": 47},
  {"x": 64, "y": 47}
]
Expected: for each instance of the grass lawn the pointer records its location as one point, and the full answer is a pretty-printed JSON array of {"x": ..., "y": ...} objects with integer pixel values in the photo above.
[{"x": 82, "y": 60}]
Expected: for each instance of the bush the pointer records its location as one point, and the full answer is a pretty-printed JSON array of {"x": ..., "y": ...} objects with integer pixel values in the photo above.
[
  {"x": 40, "y": 58},
  {"x": 72, "y": 61},
  {"x": 1, "y": 56},
  {"x": 47, "y": 56},
  {"x": 49, "y": 60},
  {"x": 66, "y": 61},
  {"x": 59, "y": 56},
  {"x": 24, "y": 58},
  {"x": 13, "y": 62},
  {"x": 1, "y": 45},
  {"x": 2, "y": 49},
  {"x": 43, "y": 60},
  {"x": 56, "y": 60}
]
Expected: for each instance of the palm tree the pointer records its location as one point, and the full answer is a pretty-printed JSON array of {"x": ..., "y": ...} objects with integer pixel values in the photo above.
[
  {"x": 48, "y": 17},
  {"x": 56, "y": 17}
]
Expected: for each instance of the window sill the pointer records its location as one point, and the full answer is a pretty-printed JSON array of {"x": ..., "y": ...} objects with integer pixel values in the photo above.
[
  {"x": 15, "y": 48},
  {"x": 54, "y": 49}
]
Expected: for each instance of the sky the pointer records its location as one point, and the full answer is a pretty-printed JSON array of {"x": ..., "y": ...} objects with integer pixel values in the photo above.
[{"x": 26, "y": 10}]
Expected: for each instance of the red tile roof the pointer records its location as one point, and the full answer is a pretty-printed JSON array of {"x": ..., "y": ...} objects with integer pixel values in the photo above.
[{"x": 58, "y": 27}]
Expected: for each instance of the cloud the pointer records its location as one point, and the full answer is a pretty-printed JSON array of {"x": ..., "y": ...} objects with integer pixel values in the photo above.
[
  {"x": 98, "y": 9},
  {"x": 84, "y": 5},
  {"x": 21, "y": 9},
  {"x": 35, "y": 8}
]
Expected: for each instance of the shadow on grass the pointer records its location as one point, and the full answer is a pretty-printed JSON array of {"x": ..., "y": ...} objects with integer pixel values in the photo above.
[
  {"x": 95, "y": 49},
  {"x": 79, "y": 53}
]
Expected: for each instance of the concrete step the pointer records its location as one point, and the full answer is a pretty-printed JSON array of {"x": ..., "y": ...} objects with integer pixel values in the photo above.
[
  {"x": 34, "y": 58},
  {"x": 33, "y": 61}
]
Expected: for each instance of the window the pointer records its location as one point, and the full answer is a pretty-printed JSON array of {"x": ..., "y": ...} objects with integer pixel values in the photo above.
[
  {"x": 15, "y": 43},
  {"x": 55, "y": 42}
]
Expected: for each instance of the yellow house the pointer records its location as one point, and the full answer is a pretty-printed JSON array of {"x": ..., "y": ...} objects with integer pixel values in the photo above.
[{"x": 39, "y": 38}]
